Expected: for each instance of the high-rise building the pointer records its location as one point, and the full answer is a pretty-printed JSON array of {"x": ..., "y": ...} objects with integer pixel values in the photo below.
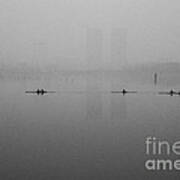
[
  {"x": 118, "y": 48},
  {"x": 40, "y": 54},
  {"x": 94, "y": 45}
]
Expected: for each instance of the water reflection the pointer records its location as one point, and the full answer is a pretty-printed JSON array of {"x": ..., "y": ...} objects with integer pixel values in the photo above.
[
  {"x": 118, "y": 108},
  {"x": 94, "y": 103},
  {"x": 89, "y": 135}
]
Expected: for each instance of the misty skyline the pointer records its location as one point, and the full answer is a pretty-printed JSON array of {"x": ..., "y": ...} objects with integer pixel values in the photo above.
[{"x": 55, "y": 31}]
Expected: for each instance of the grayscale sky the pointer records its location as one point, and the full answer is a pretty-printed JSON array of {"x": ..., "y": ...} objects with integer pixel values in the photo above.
[{"x": 54, "y": 29}]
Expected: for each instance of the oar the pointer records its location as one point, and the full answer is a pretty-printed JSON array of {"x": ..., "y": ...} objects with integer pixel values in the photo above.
[{"x": 124, "y": 92}]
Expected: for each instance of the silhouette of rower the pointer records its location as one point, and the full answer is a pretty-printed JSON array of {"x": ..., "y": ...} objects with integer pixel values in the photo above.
[
  {"x": 38, "y": 91},
  {"x": 171, "y": 92},
  {"x": 42, "y": 91},
  {"x": 124, "y": 92}
]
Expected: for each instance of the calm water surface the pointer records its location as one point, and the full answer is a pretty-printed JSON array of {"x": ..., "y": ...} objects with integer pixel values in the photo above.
[{"x": 81, "y": 132}]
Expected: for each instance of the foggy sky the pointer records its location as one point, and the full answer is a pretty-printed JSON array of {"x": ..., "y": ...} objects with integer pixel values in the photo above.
[{"x": 55, "y": 29}]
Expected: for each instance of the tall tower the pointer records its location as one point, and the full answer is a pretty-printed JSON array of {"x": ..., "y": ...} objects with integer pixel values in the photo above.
[
  {"x": 118, "y": 48},
  {"x": 94, "y": 45}
]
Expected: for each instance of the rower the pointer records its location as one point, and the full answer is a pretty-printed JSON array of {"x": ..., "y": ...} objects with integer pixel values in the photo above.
[
  {"x": 171, "y": 92},
  {"x": 124, "y": 91}
]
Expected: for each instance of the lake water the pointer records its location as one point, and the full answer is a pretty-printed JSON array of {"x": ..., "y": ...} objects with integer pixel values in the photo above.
[{"x": 83, "y": 131}]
